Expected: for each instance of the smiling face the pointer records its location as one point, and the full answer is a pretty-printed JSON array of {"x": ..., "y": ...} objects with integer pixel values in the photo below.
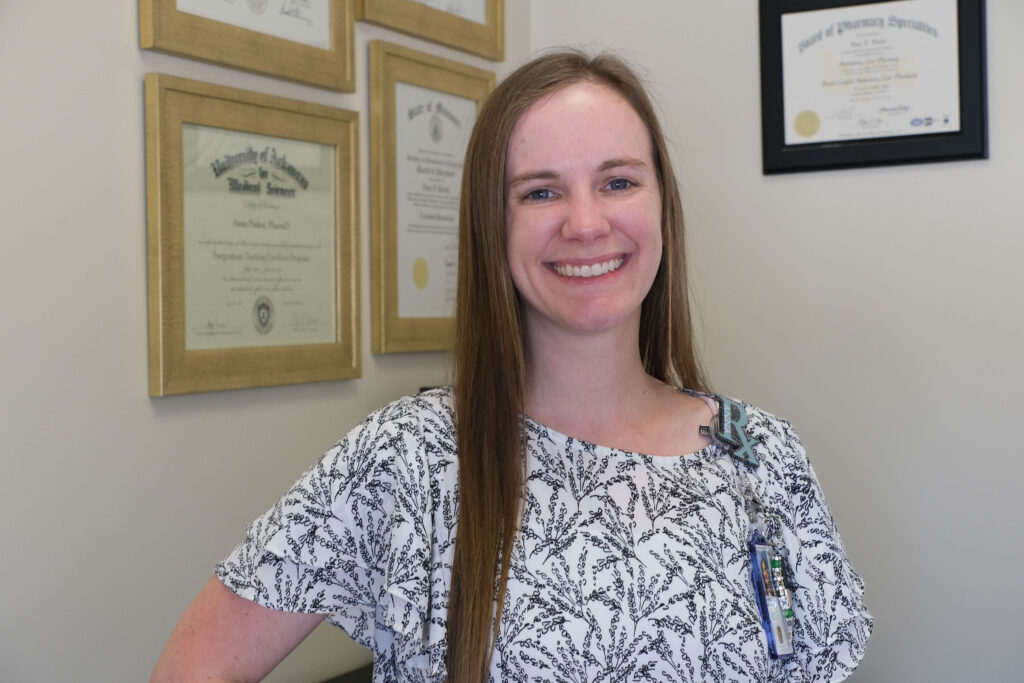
[{"x": 583, "y": 211}]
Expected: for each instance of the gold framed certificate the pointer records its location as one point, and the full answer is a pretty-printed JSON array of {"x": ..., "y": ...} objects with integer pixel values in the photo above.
[
  {"x": 475, "y": 26},
  {"x": 847, "y": 83},
  {"x": 252, "y": 205},
  {"x": 422, "y": 110},
  {"x": 307, "y": 41}
]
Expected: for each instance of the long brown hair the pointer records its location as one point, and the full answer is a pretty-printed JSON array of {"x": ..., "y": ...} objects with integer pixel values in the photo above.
[{"x": 490, "y": 354}]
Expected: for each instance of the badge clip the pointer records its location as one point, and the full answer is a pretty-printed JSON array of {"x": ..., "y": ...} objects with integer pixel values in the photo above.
[{"x": 728, "y": 427}]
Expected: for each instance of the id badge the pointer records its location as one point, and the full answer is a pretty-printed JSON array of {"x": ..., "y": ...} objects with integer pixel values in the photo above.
[{"x": 774, "y": 599}]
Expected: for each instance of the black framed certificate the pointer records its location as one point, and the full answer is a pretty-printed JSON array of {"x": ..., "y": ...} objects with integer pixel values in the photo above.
[{"x": 847, "y": 83}]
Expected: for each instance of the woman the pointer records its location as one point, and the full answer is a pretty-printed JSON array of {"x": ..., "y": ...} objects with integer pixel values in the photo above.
[{"x": 566, "y": 512}]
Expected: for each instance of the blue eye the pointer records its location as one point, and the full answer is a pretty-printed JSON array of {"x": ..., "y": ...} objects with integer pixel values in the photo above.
[
  {"x": 620, "y": 184},
  {"x": 539, "y": 194}
]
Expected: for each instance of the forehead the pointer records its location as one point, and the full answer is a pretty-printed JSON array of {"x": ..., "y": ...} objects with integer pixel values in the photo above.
[{"x": 580, "y": 121}]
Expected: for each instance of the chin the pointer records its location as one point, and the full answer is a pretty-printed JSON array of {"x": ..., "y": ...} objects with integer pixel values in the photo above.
[{"x": 595, "y": 322}]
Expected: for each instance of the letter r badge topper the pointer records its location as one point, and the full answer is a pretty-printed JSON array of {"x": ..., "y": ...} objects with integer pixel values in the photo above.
[{"x": 728, "y": 428}]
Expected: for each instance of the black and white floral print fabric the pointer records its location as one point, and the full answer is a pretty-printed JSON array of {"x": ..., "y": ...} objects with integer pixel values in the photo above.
[{"x": 627, "y": 567}]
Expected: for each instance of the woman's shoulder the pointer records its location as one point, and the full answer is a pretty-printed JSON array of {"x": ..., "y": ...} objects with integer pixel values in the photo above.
[
  {"x": 756, "y": 435},
  {"x": 780, "y": 466},
  {"x": 430, "y": 402},
  {"x": 428, "y": 414},
  {"x": 770, "y": 429},
  {"x": 407, "y": 438},
  {"x": 406, "y": 445}
]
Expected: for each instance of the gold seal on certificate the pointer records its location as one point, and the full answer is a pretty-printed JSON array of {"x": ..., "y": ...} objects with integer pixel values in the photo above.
[
  {"x": 884, "y": 69},
  {"x": 807, "y": 124}
]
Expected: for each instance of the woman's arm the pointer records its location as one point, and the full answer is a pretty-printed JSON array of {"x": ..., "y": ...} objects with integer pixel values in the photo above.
[{"x": 224, "y": 637}]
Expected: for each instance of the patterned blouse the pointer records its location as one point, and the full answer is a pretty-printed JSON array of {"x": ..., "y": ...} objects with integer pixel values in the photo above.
[{"x": 628, "y": 567}]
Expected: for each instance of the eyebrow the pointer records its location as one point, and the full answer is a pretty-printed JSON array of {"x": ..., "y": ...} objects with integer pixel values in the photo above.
[
  {"x": 622, "y": 161},
  {"x": 618, "y": 162}
]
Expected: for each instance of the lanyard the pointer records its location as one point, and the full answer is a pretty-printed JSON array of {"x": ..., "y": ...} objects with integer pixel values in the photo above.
[{"x": 767, "y": 573}]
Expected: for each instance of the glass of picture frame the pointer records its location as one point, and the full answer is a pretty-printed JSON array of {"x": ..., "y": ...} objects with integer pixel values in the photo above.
[
  {"x": 252, "y": 205},
  {"x": 307, "y": 41},
  {"x": 474, "y": 26},
  {"x": 422, "y": 110},
  {"x": 848, "y": 83}
]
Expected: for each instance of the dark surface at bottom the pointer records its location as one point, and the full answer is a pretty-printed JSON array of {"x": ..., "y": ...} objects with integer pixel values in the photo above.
[{"x": 363, "y": 675}]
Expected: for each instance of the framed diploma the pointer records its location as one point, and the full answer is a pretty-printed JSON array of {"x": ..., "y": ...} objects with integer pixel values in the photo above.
[
  {"x": 308, "y": 41},
  {"x": 422, "y": 110},
  {"x": 252, "y": 205},
  {"x": 847, "y": 83},
  {"x": 475, "y": 26}
]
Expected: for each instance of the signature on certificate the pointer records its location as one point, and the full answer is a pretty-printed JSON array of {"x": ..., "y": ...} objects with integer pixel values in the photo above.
[
  {"x": 297, "y": 9},
  {"x": 448, "y": 6}
]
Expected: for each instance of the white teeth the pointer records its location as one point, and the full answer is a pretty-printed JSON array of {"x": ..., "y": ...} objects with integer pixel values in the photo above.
[{"x": 589, "y": 270}]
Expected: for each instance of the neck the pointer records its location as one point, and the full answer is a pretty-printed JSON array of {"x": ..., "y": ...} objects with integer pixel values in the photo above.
[{"x": 585, "y": 380}]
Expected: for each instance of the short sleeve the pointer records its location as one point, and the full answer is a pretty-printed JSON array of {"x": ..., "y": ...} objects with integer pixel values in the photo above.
[
  {"x": 832, "y": 623},
  {"x": 351, "y": 539}
]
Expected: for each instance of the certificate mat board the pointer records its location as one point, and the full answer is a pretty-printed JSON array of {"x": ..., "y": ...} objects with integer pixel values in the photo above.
[
  {"x": 307, "y": 41},
  {"x": 848, "y": 83},
  {"x": 474, "y": 26},
  {"x": 422, "y": 110},
  {"x": 252, "y": 208}
]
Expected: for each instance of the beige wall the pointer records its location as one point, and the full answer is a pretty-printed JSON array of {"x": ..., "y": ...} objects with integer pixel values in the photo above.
[
  {"x": 114, "y": 506},
  {"x": 881, "y": 310}
]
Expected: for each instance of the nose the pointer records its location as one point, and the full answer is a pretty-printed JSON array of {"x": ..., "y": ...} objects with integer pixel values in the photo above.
[{"x": 585, "y": 220}]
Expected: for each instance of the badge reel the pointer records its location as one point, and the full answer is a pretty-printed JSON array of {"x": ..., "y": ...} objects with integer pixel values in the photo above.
[{"x": 774, "y": 598}]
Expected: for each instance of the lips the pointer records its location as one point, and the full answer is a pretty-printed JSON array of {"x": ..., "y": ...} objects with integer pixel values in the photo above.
[{"x": 589, "y": 270}]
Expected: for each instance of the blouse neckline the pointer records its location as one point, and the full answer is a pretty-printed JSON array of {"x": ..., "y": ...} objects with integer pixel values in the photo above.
[{"x": 708, "y": 451}]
